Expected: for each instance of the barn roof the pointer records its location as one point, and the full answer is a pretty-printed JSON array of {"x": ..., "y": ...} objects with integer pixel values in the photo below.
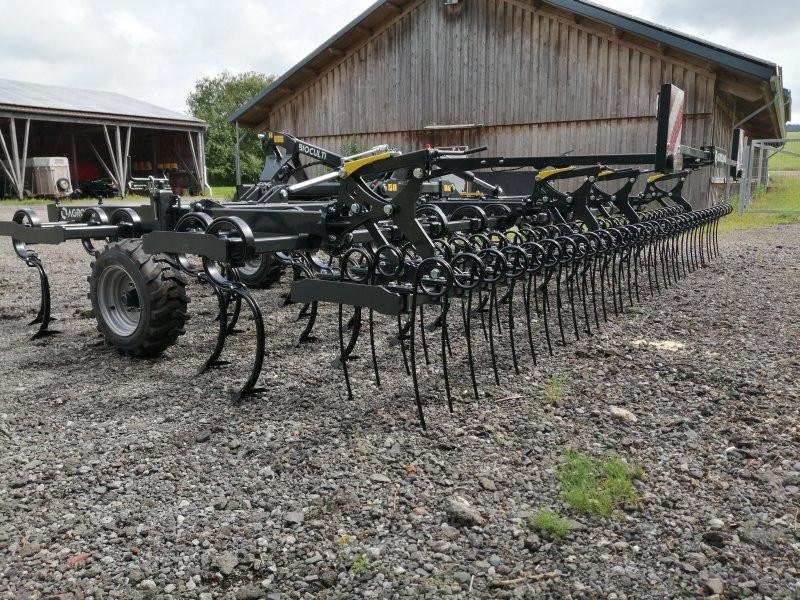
[
  {"x": 56, "y": 103},
  {"x": 359, "y": 29}
]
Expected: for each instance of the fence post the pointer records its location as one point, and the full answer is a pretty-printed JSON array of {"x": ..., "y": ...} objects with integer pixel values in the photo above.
[{"x": 745, "y": 175}]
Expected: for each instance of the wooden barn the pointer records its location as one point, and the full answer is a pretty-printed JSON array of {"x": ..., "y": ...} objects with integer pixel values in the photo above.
[{"x": 521, "y": 77}]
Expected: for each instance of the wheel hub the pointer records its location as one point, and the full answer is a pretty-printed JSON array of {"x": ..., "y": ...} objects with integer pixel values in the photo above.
[{"x": 118, "y": 300}]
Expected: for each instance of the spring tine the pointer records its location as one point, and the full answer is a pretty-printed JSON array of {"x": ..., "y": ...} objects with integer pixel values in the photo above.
[
  {"x": 445, "y": 343},
  {"x": 466, "y": 314},
  {"x": 342, "y": 354},
  {"x": 571, "y": 296},
  {"x": 664, "y": 267},
  {"x": 636, "y": 256},
  {"x": 628, "y": 278},
  {"x": 304, "y": 312},
  {"x": 654, "y": 257},
  {"x": 249, "y": 388},
  {"x": 413, "y": 349},
  {"x": 510, "y": 297},
  {"x": 559, "y": 305},
  {"x": 496, "y": 313},
  {"x": 233, "y": 318},
  {"x": 593, "y": 282},
  {"x": 422, "y": 333},
  {"x": 372, "y": 347},
  {"x": 601, "y": 262},
  {"x": 612, "y": 265},
  {"x": 683, "y": 251},
  {"x": 620, "y": 277},
  {"x": 702, "y": 234},
  {"x": 305, "y": 336},
  {"x": 355, "y": 332},
  {"x": 401, "y": 338},
  {"x": 526, "y": 297},
  {"x": 545, "y": 307},
  {"x": 583, "y": 292},
  {"x": 492, "y": 304},
  {"x": 43, "y": 318},
  {"x": 213, "y": 360},
  {"x": 481, "y": 310}
]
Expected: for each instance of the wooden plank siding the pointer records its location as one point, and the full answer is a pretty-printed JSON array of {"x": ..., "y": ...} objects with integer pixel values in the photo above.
[{"x": 535, "y": 79}]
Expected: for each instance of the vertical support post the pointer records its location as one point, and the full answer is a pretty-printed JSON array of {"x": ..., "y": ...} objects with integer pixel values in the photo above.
[
  {"x": 202, "y": 139},
  {"x": 760, "y": 164},
  {"x": 15, "y": 155},
  {"x": 125, "y": 160},
  {"x": 154, "y": 151},
  {"x": 74, "y": 158},
  {"x": 112, "y": 157},
  {"x": 237, "y": 157},
  {"x": 119, "y": 161},
  {"x": 746, "y": 150},
  {"x": 24, "y": 153},
  {"x": 195, "y": 161},
  {"x": 8, "y": 167}
]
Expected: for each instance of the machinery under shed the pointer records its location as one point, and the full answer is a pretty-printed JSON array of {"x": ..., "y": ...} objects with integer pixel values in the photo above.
[{"x": 93, "y": 141}]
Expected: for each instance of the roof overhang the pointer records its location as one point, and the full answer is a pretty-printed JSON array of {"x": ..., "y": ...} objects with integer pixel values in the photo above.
[{"x": 87, "y": 118}]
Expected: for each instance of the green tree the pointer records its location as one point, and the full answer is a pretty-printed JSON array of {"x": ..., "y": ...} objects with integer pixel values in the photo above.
[{"x": 213, "y": 100}]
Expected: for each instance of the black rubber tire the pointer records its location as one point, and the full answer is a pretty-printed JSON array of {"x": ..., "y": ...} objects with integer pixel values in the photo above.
[
  {"x": 268, "y": 273},
  {"x": 162, "y": 299}
]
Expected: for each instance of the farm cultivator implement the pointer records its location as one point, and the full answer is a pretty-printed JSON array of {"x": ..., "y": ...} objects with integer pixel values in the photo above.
[{"x": 388, "y": 239}]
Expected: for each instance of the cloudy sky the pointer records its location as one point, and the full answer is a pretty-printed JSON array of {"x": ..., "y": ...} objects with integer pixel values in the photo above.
[{"x": 154, "y": 50}]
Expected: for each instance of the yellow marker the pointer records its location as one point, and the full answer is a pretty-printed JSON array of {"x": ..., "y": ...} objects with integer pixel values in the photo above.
[
  {"x": 656, "y": 177},
  {"x": 270, "y": 135},
  {"x": 448, "y": 188},
  {"x": 352, "y": 166},
  {"x": 606, "y": 173},
  {"x": 545, "y": 174},
  {"x": 472, "y": 194},
  {"x": 392, "y": 187},
  {"x": 279, "y": 139}
]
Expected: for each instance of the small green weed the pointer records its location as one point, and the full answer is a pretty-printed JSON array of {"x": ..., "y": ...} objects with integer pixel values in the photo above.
[
  {"x": 499, "y": 438},
  {"x": 597, "y": 485},
  {"x": 360, "y": 565},
  {"x": 550, "y": 524},
  {"x": 554, "y": 390}
]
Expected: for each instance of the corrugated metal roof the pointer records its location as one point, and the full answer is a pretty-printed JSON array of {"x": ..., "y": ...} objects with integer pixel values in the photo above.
[
  {"x": 19, "y": 96},
  {"x": 720, "y": 55}
]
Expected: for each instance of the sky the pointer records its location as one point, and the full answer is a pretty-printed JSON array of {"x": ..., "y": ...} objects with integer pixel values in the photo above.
[{"x": 155, "y": 50}]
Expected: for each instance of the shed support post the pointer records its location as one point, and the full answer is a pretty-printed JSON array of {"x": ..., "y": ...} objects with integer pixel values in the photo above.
[
  {"x": 74, "y": 158},
  {"x": 202, "y": 138},
  {"x": 198, "y": 160},
  {"x": 14, "y": 164},
  {"x": 237, "y": 157},
  {"x": 119, "y": 166}
]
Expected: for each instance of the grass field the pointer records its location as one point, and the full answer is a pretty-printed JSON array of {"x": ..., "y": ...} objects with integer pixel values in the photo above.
[
  {"x": 784, "y": 162},
  {"x": 783, "y": 198}
]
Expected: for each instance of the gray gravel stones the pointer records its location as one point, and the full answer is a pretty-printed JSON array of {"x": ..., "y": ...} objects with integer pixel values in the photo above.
[
  {"x": 151, "y": 472},
  {"x": 461, "y": 512}
]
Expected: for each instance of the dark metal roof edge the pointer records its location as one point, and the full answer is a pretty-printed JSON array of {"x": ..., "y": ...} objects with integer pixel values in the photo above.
[
  {"x": 100, "y": 118},
  {"x": 716, "y": 53},
  {"x": 311, "y": 56}
]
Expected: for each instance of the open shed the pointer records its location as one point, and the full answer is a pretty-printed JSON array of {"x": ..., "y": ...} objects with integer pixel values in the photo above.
[{"x": 102, "y": 134}]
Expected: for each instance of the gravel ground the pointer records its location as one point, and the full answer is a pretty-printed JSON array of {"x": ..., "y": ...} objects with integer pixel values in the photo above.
[{"x": 124, "y": 479}]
